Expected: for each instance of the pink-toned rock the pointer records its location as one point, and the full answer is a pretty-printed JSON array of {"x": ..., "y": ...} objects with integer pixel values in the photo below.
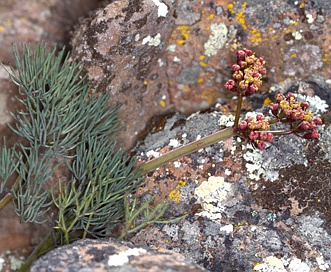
[
  {"x": 109, "y": 255},
  {"x": 34, "y": 21},
  {"x": 122, "y": 48}
]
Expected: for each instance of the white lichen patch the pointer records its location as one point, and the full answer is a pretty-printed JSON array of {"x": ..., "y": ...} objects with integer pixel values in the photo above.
[
  {"x": 171, "y": 48},
  {"x": 297, "y": 35},
  {"x": 153, "y": 153},
  {"x": 2, "y": 263},
  {"x": 226, "y": 120},
  {"x": 212, "y": 195},
  {"x": 227, "y": 229},
  {"x": 322, "y": 264},
  {"x": 310, "y": 18},
  {"x": 217, "y": 40},
  {"x": 267, "y": 163},
  {"x": 296, "y": 265},
  {"x": 152, "y": 41},
  {"x": 274, "y": 264},
  {"x": 254, "y": 160},
  {"x": 270, "y": 264},
  {"x": 177, "y": 164},
  {"x": 173, "y": 142},
  {"x": 15, "y": 263},
  {"x": 172, "y": 231},
  {"x": 316, "y": 104},
  {"x": 160, "y": 62},
  {"x": 162, "y": 8},
  {"x": 326, "y": 140},
  {"x": 123, "y": 257}
]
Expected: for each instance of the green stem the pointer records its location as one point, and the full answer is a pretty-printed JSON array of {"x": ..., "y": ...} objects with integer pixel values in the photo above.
[
  {"x": 3, "y": 202},
  {"x": 238, "y": 110},
  {"x": 187, "y": 149},
  {"x": 280, "y": 132},
  {"x": 8, "y": 197}
]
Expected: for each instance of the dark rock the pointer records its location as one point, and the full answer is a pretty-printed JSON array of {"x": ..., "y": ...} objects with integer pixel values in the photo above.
[{"x": 276, "y": 205}]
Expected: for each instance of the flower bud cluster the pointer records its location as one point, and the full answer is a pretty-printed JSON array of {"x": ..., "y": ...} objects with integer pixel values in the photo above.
[
  {"x": 254, "y": 129},
  {"x": 302, "y": 121},
  {"x": 247, "y": 73}
]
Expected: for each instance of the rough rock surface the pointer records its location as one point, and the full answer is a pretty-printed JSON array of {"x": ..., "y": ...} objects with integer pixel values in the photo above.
[
  {"x": 34, "y": 21},
  {"x": 122, "y": 48},
  {"x": 179, "y": 61},
  {"x": 294, "y": 38},
  {"x": 264, "y": 210},
  {"x": 109, "y": 255}
]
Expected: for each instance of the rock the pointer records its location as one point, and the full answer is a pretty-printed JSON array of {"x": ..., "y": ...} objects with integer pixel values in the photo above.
[
  {"x": 122, "y": 48},
  {"x": 111, "y": 255},
  {"x": 245, "y": 206},
  {"x": 34, "y": 21}
]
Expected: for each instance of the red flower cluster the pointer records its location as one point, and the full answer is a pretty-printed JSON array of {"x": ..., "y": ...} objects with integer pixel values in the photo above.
[
  {"x": 247, "y": 73},
  {"x": 247, "y": 79},
  {"x": 251, "y": 127},
  {"x": 289, "y": 110}
]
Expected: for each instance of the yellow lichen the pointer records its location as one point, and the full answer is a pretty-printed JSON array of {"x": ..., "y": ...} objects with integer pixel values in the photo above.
[
  {"x": 230, "y": 7},
  {"x": 211, "y": 16},
  {"x": 162, "y": 103},
  {"x": 202, "y": 64},
  {"x": 325, "y": 58},
  {"x": 240, "y": 17},
  {"x": 2, "y": 28},
  {"x": 175, "y": 194},
  {"x": 266, "y": 101},
  {"x": 200, "y": 80},
  {"x": 256, "y": 36},
  {"x": 184, "y": 31}
]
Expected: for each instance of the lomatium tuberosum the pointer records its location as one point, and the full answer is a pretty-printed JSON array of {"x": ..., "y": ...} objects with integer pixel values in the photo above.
[{"x": 248, "y": 72}]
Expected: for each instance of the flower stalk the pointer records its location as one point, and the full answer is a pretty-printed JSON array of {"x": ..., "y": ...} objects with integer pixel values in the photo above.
[{"x": 187, "y": 149}]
